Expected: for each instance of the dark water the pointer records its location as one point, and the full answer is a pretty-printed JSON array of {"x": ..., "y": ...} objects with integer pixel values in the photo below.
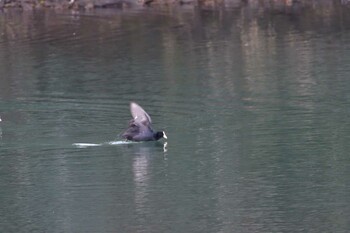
[{"x": 255, "y": 104}]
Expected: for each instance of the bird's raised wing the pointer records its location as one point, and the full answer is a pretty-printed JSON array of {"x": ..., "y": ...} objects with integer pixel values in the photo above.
[{"x": 139, "y": 115}]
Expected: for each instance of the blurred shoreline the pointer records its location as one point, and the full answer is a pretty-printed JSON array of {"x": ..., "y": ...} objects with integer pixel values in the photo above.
[{"x": 280, "y": 6}]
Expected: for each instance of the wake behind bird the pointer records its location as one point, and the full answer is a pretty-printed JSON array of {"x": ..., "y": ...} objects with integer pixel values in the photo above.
[{"x": 112, "y": 143}]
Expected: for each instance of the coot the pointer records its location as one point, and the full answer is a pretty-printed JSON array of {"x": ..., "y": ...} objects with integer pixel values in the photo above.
[{"x": 140, "y": 127}]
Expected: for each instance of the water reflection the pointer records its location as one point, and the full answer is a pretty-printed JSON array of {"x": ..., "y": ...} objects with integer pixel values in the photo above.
[
  {"x": 0, "y": 128},
  {"x": 142, "y": 167},
  {"x": 141, "y": 179},
  {"x": 254, "y": 99}
]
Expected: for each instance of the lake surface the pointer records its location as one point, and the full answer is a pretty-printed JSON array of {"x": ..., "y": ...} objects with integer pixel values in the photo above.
[{"x": 255, "y": 104}]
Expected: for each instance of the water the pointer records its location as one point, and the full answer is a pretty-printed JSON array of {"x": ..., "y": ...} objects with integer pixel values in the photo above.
[{"x": 255, "y": 106}]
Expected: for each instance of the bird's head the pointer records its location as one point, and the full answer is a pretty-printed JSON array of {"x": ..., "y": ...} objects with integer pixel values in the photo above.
[{"x": 160, "y": 134}]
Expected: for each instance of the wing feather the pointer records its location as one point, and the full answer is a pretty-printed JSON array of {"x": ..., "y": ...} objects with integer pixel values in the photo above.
[{"x": 139, "y": 114}]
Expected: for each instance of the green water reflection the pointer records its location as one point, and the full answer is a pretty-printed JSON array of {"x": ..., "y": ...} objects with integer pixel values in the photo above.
[{"x": 254, "y": 102}]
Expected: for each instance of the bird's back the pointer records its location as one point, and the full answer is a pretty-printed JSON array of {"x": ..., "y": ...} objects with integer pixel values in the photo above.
[{"x": 138, "y": 132}]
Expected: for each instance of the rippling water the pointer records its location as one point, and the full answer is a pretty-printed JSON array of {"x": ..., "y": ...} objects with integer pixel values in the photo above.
[{"x": 255, "y": 105}]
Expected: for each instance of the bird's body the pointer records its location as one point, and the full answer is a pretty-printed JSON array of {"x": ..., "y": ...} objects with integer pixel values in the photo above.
[{"x": 140, "y": 127}]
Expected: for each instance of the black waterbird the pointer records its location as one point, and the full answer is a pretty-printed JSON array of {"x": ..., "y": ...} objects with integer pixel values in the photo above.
[{"x": 140, "y": 127}]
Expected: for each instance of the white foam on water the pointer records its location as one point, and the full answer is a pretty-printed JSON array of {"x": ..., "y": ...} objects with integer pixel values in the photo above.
[
  {"x": 85, "y": 145},
  {"x": 121, "y": 142}
]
